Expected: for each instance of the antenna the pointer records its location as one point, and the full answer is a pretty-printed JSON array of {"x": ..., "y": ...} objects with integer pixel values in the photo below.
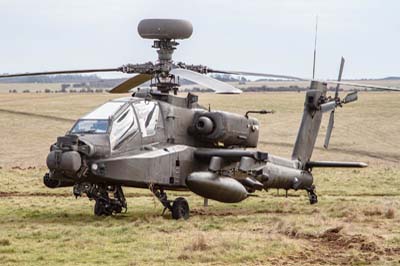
[{"x": 315, "y": 46}]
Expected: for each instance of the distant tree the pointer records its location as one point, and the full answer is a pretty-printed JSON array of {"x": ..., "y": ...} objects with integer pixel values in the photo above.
[{"x": 65, "y": 86}]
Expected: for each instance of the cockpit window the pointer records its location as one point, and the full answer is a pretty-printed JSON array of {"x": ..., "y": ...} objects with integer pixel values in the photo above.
[
  {"x": 90, "y": 126},
  {"x": 123, "y": 127},
  {"x": 148, "y": 115}
]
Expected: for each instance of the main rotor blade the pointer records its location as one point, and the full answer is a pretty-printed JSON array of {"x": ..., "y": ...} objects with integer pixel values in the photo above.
[
  {"x": 62, "y": 72},
  {"x": 364, "y": 85},
  {"x": 131, "y": 83},
  {"x": 243, "y": 73},
  {"x": 329, "y": 129},
  {"x": 206, "y": 81}
]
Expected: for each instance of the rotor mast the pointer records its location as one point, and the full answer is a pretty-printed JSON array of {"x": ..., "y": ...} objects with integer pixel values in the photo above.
[
  {"x": 165, "y": 50},
  {"x": 164, "y": 81}
]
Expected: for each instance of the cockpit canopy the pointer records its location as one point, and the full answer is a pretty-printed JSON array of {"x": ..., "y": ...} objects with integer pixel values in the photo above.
[
  {"x": 97, "y": 121},
  {"x": 121, "y": 119}
]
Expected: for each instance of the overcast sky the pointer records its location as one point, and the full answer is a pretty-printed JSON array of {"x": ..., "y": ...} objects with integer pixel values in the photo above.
[{"x": 252, "y": 35}]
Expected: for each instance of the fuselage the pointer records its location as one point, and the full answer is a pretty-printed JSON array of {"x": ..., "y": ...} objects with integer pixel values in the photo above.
[{"x": 143, "y": 141}]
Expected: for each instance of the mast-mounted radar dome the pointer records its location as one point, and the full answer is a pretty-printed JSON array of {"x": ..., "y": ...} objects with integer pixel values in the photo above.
[{"x": 165, "y": 29}]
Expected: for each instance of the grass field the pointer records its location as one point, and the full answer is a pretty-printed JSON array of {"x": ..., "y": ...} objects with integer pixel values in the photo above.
[{"x": 356, "y": 222}]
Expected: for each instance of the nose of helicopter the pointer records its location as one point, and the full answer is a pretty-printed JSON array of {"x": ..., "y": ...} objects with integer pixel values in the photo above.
[
  {"x": 69, "y": 161},
  {"x": 68, "y": 154}
]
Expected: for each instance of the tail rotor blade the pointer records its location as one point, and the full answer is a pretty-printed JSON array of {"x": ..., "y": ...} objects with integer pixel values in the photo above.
[
  {"x": 339, "y": 77},
  {"x": 131, "y": 83},
  {"x": 351, "y": 97},
  {"x": 329, "y": 129}
]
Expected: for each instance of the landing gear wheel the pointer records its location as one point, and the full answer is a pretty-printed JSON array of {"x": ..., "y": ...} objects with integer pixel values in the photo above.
[
  {"x": 108, "y": 206},
  {"x": 180, "y": 209},
  {"x": 312, "y": 196},
  {"x": 99, "y": 208}
]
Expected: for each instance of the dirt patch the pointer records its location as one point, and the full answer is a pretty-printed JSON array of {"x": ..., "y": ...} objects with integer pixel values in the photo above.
[
  {"x": 23, "y": 168},
  {"x": 333, "y": 247}
]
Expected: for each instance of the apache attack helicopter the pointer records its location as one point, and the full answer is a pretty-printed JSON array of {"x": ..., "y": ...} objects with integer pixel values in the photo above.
[{"x": 156, "y": 140}]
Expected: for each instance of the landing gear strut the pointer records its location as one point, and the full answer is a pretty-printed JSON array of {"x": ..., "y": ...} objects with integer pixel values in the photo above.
[
  {"x": 311, "y": 195},
  {"x": 104, "y": 204},
  {"x": 179, "y": 207}
]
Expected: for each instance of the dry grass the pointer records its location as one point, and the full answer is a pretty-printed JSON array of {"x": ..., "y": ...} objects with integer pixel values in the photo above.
[
  {"x": 354, "y": 223},
  {"x": 366, "y": 130}
]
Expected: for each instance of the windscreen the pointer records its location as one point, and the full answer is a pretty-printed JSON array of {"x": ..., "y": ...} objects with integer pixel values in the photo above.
[{"x": 90, "y": 126}]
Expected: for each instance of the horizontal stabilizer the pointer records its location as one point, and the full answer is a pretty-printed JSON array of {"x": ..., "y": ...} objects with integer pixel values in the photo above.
[{"x": 313, "y": 164}]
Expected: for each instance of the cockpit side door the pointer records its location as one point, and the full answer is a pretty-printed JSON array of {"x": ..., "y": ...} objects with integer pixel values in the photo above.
[
  {"x": 150, "y": 122},
  {"x": 125, "y": 130}
]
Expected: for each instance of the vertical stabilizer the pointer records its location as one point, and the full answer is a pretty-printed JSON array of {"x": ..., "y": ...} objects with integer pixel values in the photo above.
[{"x": 310, "y": 123}]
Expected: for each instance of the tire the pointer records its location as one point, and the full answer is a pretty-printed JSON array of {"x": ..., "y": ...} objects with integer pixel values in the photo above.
[
  {"x": 180, "y": 209},
  {"x": 49, "y": 182},
  {"x": 98, "y": 208},
  {"x": 102, "y": 207},
  {"x": 313, "y": 199}
]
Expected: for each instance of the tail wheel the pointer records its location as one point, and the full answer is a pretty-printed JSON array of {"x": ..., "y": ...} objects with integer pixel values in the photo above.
[{"x": 180, "y": 209}]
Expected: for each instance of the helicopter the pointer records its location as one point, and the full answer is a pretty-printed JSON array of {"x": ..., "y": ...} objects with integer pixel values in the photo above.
[{"x": 160, "y": 141}]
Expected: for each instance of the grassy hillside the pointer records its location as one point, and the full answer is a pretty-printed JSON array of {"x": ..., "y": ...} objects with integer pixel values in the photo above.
[{"x": 356, "y": 221}]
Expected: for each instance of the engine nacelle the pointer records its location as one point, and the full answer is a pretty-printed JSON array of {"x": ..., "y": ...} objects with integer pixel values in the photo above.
[
  {"x": 225, "y": 128},
  {"x": 204, "y": 125}
]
